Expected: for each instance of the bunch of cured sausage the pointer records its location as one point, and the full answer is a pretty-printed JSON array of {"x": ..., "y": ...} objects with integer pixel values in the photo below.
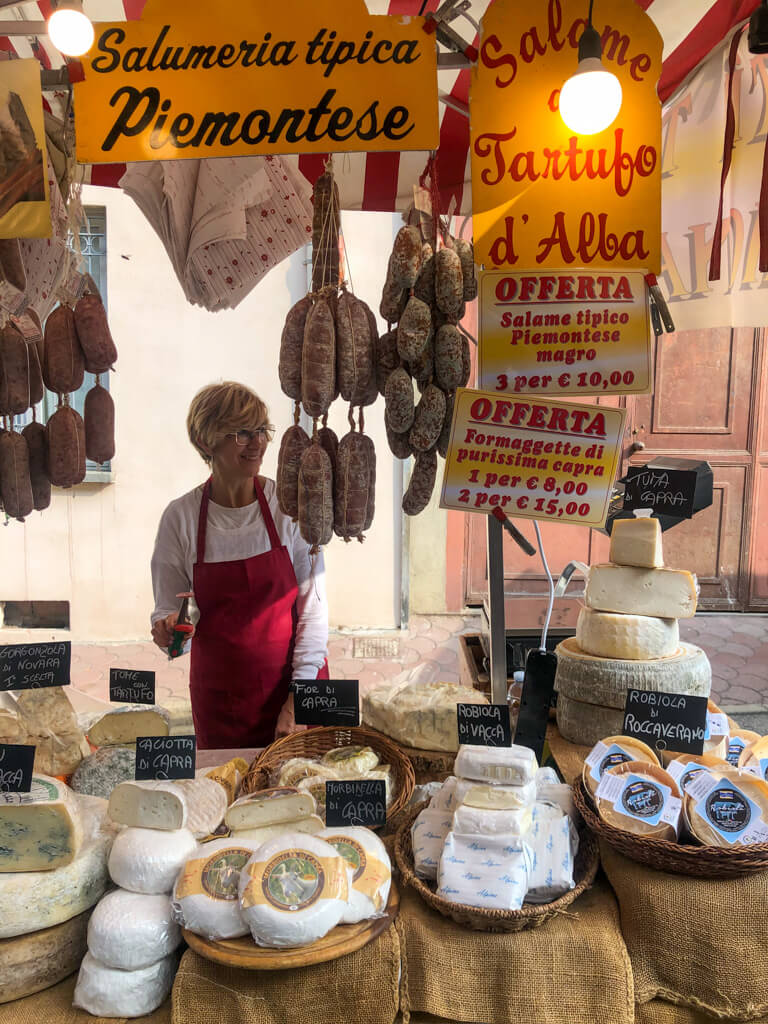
[
  {"x": 33, "y": 459},
  {"x": 425, "y": 296},
  {"x": 329, "y": 348}
]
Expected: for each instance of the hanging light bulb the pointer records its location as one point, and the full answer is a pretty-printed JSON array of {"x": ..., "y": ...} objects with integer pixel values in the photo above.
[
  {"x": 590, "y": 100},
  {"x": 70, "y": 29}
]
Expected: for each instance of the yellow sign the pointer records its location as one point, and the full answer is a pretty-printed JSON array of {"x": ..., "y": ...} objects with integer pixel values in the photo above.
[
  {"x": 194, "y": 80},
  {"x": 537, "y": 460},
  {"x": 572, "y": 332},
  {"x": 543, "y": 196},
  {"x": 25, "y": 211}
]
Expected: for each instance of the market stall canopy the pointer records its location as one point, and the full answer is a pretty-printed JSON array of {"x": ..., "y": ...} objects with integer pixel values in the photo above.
[{"x": 384, "y": 181}]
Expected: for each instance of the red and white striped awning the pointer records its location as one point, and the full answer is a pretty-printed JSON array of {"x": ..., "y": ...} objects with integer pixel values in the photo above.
[{"x": 691, "y": 29}]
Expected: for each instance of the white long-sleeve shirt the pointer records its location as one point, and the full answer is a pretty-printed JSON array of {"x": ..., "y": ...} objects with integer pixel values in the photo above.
[{"x": 233, "y": 534}]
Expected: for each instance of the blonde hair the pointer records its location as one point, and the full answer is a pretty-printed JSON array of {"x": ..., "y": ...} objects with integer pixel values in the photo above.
[{"x": 220, "y": 409}]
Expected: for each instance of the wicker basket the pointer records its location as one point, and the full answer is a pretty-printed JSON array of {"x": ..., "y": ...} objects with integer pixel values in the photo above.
[
  {"x": 430, "y": 765},
  {"x": 675, "y": 858},
  {"x": 313, "y": 743},
  {"x": 478, "y": 918}
]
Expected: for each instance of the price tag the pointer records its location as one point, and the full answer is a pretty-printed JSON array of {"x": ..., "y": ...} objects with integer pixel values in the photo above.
[
  {"x": 358, "y": 802},
  {"x": 16, "y": 761},
  {"x": 666, "y": 721},
  {"x": 128, "y": 686},
  {"x": 669, "y": 492},
  {"x": 484, "y": 725},
  {"x": 326, "y": 701},
  {"x": 165, "y": 757},
  {"x": 34, "y": 666}
]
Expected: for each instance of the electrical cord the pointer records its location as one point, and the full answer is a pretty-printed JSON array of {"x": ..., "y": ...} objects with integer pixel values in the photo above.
[{"x": 548, "y": 617}]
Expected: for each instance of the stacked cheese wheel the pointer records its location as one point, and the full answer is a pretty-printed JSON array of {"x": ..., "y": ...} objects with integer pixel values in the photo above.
[
  {"x": 627, "y": 636},
  {"x": 498, "y": 833},
  {"x": 54, "y": 847}
]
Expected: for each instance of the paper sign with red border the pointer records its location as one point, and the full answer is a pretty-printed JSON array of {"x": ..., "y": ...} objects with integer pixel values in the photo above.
[
  {"x": 546, "y": 460},
  {"x": 569, "y": 332}
]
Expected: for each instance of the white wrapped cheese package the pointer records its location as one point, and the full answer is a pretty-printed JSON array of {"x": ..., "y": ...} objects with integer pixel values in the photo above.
[
  {"x": 206, "y": 895},
  {"x": 444, "y": 799},
  {"x": 560, "y": 795},
  {"x": 131, "y": 930},
  {"x": 554, "y": 842},
  {"x": 428, "y": 834},
  {"x": 293, "y": 891},
  {"x": 371, "y": 867},
  {"x": 149, "y": 859},
  {"x": 511, "y": 766},
  {"x": 484, "y": 871},
  {"x": 546, "y": 777},
  {"x": 476, "y": 821},
  {"x": 106, "y": 992}
]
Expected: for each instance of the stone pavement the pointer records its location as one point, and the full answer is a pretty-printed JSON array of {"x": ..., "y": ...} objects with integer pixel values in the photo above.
[{"x": 737, "y": 646}]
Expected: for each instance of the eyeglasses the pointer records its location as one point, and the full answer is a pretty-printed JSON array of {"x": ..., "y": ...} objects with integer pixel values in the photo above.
[{"x": 244, "y": 437}]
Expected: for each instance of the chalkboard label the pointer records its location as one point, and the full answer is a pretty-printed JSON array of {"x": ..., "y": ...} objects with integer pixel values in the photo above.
[
  {"x": 326, "y": 702},
  {"x": 358, "y": 802},
  {"x": 129, "y": 686},
  {"x": 34, "y": 666},
  {"x": 484, "y": 725},
  {"x": 670, "y": 492},
  {"x": 666, "y": 721},
  {"x": 165, "y": 757},
  {"x": 16, "y": 763}
]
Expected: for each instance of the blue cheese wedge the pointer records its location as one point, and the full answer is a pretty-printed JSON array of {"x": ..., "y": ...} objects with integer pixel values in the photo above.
[{"x": 40, "y": 830}]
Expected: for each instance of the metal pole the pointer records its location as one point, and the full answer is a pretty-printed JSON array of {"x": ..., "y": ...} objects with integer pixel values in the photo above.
[{"x": 498, "y": 639}]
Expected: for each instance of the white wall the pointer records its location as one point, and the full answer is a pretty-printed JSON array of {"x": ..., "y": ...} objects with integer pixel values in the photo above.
[{"x": 92, "y": 546}]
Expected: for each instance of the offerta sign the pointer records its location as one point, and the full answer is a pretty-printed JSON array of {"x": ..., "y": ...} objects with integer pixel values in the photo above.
[
  {"x": 576, "y": 332},
  {"x": 536, "y": 460},
  {"x": 301, "y": 76}
]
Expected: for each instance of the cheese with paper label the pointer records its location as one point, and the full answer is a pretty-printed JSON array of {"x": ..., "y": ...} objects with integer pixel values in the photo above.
[
  {"x": 738, "y": 741},
  {"x": 428, "y": 834},
  {"x": 754, "y": 758},
  {"x": 484, "y": 871},
  {"x": 686, "y": 767},
  {"x": 148, "y": 805},
  {"x": 662, "y": 593},
  {"x": 39, "y": 830},
  {"x": 626, "y": 637},
  {"x": 554, "y": 842},
  {"x": 636, "y": 542},
  {"x": 727, "y": 809},
  {"x": 716, "y": 736},
  {"x": 641, "y": 798},
  {"x": 511, "y": 766},
  {"x": 269, "y": 807},
  {"x": 371, "y": 870},
  {"x": 611, "y": 751}
]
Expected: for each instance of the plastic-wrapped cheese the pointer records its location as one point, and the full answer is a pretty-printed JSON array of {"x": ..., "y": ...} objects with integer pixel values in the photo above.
[
  {"x": 269, "y": 807},
  {"x": 149, "y": 805},
  {"x": 149, "y": 859},
  {"x": 428, "y": 834},
  {"x": 298, "y": 768},
  {"x": 39, "y": 830},
  {"x": 470, "y": 821},
  {"x": 310, "y": 826},
  {"x": 293, "y": 891},
  {"x": 754, "y": 758},
  {"x": 131, "y": 930},
  {"x": 727, "y": 809},
  {"x": 512, "y": 766},
  {"x": 493, "y": 797},
  {"x": 106, "y": 992},
  {"x": 484, "y": 871},
  {"x": 738, "y": 741},
  {"x": 444, "y": 799},
  {"x": 685, "y": 768},
  {"x": 355, "y": 759},
  {"x": 206, "y": 894},
  {"x": 372, "y": 870},
  {"x": 639, "y": 797},
  {"x": 611, "y": 751},
  {"x": 554, "y": 842}
]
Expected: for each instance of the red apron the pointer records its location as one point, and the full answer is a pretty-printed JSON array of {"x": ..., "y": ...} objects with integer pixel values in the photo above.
[{"x": 242, "y": 650}]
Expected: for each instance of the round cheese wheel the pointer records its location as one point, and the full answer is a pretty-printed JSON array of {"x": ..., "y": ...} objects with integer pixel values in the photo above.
[
  {"x": 131, "y": 930},
  {"x": 106, "y": 992},
  {"x": 717, "y": 741},
  {"x": 626, "y": 637},
  {"x": 586, "y": 724},
  {"x": 372, "y": 870},
  {"x": 685, "y": 767},
  {"x": 206, "y": 897},
  {"x": 729, "y": 814},
  {"x": 31, "y": 963},
  {"x": 738, "y": 741},
  {"x": 604, "y": 755},
  {"x": 754, "y": 758},
  {"x": 356, "y": 759},
  {"x": 149, "y": 859},
  {"x": 294, "y": 890},
  {"x": 298, "y": 768},
  {"x": 643, "y": 798}
]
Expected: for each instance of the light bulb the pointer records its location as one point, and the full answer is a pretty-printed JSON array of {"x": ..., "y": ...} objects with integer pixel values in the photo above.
[
  {"x": 591, "y": 99},
  {"x": 70, "y": 31}
]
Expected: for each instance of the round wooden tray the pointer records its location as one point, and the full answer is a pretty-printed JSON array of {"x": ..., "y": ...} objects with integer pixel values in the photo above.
[{"x": 346, "y": 938}]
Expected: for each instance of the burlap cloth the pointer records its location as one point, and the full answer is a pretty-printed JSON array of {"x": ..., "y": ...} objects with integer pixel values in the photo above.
[
  {"x": 361, "y": 988},
  {"x": 54, "y": 1006},
  {"x": 573, "y": 969},
  {"x": 659, "y": 1012},
  {"x": 696, "y": 942}
]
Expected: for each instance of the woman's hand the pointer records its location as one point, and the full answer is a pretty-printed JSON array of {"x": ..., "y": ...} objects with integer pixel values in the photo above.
[
  {"x": 162, "y": 631},
  {"x": 286, "y": 723}
]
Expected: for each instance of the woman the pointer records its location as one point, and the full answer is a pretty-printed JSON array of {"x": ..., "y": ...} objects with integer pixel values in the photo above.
[{"x": 262, "y": 616}]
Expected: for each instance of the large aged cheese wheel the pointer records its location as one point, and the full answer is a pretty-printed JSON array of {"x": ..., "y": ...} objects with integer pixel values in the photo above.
[
  {"x": 728, "y": 808},
  {"x": 586, "y": 724},
  {"x": 626, "y": 637},
  {"x": 611, "y": 751},
  {"x": 666, "y": 593},
  {"x": 419, "y": 716},
  {"x": 636, "y": 797},
  {"x": 31, "y": 963}
]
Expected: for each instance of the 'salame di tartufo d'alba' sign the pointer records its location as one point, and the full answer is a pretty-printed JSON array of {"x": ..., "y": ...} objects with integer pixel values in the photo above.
[
  {"x": 234, "y": 79},
  {"x": 544, "y": 197}
]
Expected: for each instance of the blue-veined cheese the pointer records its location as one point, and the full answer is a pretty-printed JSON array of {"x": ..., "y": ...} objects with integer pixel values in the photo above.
[
  {"x": 98, "y": 774},
  {"x": 39, "y": 830}
]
